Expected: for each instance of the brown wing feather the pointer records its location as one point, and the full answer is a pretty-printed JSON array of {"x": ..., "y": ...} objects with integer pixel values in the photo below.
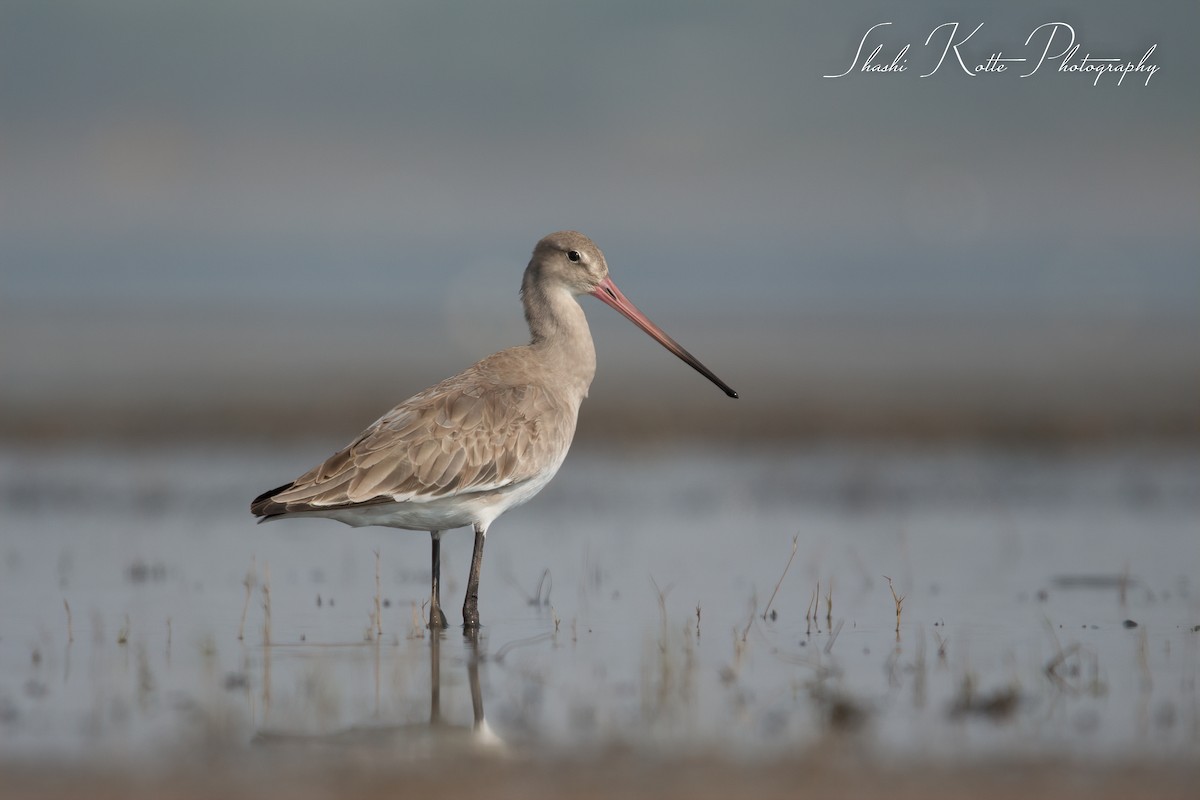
[{"x": 467, "y": 434}]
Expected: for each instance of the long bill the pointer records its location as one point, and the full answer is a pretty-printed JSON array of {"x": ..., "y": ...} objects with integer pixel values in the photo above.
[{"x": 608, "y": 293}]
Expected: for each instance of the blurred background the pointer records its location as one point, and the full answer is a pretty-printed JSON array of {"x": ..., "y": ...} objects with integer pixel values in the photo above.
[
  {"x": 963, "y": 315},
  {"x": 234, "y": 220}
]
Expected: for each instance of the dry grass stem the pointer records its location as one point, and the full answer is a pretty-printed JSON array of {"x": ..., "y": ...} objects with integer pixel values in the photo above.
[
  {"x": 919, "y": 685},
  {"x": 417, "y": 630},
  {"x": 833, "y": 636},
  {"x": 541, "y": 593},
  {"x": 1144, "y": 661},
  {"x": 941, "y": 645},
  {"x": 266, "y": 595},
  {"x": 998, "y": 705},
  {"x": 897, "y": 599},
  {"x": 786, "y": 567},
  {"x": 70, "y": 632},
  {"x": 503, "y": 652},
  {"x": 545, "y": 582},
  {"x": 829, "y": 605},
  {"x": 249, "y": 581},
  {"x": 662, "y": 601},
  {"x": 1075, "y": 670},
  {"x": 378, "y": 598},
  {"x": 123, "y": 633},
  {"x": 750, "y": 622}
]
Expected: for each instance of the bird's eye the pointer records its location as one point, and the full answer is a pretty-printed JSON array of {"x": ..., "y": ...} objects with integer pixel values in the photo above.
[{"x": 574, "y": 257}]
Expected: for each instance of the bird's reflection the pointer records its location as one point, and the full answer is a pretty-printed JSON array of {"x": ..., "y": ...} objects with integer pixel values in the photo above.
[
  {"x": 479, "y": 728},
  {"x": 438, "y": 737}
]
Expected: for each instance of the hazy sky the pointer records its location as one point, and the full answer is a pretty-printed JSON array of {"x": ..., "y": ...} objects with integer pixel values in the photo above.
[{"x": 359, "y": 151}]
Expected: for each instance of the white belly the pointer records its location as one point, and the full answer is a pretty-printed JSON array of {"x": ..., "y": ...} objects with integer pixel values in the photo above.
[{"x": 441, "y": 513}]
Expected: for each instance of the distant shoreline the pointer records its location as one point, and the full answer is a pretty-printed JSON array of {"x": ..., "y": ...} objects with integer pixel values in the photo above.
[{"x": 153, "y": 374}]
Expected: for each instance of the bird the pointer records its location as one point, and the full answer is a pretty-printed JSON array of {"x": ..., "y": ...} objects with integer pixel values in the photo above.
[{"x": 466, "y": 450}]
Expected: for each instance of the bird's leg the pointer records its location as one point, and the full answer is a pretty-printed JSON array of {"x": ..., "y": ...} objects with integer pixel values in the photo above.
[
  {"x": 471, "y": 604},
  {"x": 437, "y": 620}
]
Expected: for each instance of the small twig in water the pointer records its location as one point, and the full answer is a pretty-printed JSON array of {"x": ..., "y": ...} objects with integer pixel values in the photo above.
[
  {"x": 697, "y": 620},
  {"x": 70, "y": 633}
]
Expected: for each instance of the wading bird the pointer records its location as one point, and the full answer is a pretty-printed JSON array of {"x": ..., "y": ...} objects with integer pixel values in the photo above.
[{"x": 468, "y": 449}]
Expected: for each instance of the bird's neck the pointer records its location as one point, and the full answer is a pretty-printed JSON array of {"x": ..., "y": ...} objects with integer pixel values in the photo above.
[{"x": 560, "y": 333}]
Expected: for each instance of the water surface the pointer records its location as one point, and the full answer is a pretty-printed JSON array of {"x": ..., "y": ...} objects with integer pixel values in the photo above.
[{"x": 1049, "y": 607}]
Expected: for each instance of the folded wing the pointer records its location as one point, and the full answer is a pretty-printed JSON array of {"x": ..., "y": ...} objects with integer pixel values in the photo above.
[{"x": 461, "y": 436}]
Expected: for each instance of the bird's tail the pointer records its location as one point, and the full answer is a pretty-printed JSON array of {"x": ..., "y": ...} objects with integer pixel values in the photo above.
[{"x": 264, "y": 506}]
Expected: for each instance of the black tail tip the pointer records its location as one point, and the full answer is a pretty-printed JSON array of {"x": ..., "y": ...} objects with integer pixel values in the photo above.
[{"x": 262, "y": 506}]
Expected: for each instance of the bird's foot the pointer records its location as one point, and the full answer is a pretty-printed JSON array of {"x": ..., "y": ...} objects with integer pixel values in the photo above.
[
  {"x": 437, "y": 619},
  {"x": 471, "y": 617}
]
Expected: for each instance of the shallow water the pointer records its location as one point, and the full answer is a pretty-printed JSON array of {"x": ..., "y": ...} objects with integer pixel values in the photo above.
[{"x": 1018, "y": 571}]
